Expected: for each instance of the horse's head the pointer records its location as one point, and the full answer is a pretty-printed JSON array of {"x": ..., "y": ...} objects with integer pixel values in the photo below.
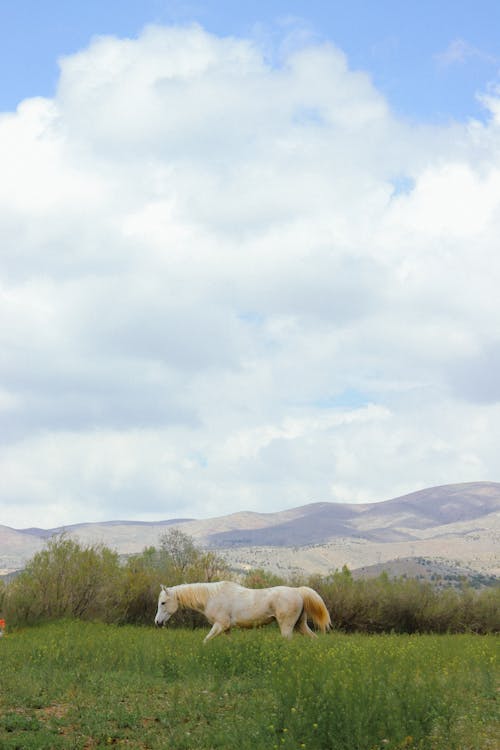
[{"x": 167, "y": 605}]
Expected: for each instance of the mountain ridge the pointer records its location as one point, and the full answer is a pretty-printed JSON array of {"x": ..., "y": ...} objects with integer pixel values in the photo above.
[{"x": 460, "y": 518}]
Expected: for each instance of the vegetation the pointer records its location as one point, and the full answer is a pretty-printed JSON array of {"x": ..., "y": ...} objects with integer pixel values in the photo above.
[
  {"x": 89, "y": 685},
  {"x": 84, "y": 677},
  {"x": 67, "y": 579},
  {"x": 405, "y": 605}
]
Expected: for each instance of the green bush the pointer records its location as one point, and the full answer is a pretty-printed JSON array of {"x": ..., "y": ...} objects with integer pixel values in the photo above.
[
  {"x": 258, "y": 578},
  {"x": 405, "y": 605},
  {"x": 67, "y": 579},
  {"x": 64, "y": 580},
  {"x": 177, "y": 560}
]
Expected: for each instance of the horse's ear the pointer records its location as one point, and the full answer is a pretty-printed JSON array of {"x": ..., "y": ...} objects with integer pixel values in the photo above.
[{"x": 163, "y": 587}]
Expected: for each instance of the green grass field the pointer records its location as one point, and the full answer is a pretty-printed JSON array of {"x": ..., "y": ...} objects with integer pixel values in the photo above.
[{"x": 83, "y": 685}]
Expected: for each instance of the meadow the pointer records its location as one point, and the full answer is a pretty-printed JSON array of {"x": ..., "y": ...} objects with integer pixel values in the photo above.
[{"x": 75, "y": 684}]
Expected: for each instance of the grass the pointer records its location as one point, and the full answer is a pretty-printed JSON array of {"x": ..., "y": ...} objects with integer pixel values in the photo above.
[{"x": 83, "y": 685}]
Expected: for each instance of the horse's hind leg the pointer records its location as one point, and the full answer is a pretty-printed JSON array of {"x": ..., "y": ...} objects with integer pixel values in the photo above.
[
  {"x": 286, "y": 627},
  {"x": 303, "y": 627},
  {"x": 287, "y": 622}
]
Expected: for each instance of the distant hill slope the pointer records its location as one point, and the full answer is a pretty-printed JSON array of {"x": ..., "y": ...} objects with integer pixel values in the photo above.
[
  {"x": 459, "y": 522},
  {"x": 400, "y": 519}
]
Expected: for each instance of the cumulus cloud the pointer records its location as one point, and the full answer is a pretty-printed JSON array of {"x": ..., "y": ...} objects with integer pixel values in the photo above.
[{"x": 231, "y": 284}]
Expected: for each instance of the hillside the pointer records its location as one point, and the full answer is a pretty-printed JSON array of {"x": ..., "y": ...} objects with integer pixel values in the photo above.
[
  {"x": 451, "y": 524},
  {"x": 404, "y": 518}
]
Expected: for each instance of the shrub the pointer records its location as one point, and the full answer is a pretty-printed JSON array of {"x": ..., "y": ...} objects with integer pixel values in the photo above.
[
  {"x": 258, "y": 578},
  {"x": 67, "y": 579},
  {"x": 406, "y": 605},
  {"x": 64, "y": 580},
  {"x": 177, "y": 560}
]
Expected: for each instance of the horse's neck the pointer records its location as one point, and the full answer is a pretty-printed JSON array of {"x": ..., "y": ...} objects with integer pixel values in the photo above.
[{"x": 193, "y": 595}]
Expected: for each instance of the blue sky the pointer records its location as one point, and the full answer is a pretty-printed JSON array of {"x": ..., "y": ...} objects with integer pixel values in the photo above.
[
  {"x": 245, "y": 264},
  {"x": 429, "y": 57}
]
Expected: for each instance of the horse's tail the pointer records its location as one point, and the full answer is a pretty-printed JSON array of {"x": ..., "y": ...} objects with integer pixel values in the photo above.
[{"x": 315, "y": 608}]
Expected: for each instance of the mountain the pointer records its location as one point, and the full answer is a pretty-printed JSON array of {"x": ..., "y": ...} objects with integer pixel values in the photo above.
[
  {"x": 455, "y": 524},
  {"x": 16, "y": 548}
]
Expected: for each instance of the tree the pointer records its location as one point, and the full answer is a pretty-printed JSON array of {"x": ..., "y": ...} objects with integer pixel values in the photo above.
[
  {"x": 178, "y": 550},
  {"x": 177, "y": 560}
]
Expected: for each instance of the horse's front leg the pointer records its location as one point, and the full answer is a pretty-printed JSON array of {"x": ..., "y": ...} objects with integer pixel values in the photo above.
[{"x": 217, "y": 629}]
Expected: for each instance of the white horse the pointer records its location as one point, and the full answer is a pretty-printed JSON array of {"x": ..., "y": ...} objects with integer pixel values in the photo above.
[{"x": 226, "y": 604}]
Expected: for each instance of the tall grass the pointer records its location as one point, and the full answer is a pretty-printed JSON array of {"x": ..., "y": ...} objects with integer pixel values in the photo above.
[{"x": 84, "y": 685}]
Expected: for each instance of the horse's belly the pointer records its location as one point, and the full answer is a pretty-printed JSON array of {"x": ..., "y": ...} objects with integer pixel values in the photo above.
[
  {"x": 252, "y": 621},
  {"x": 255, "y": 614}
]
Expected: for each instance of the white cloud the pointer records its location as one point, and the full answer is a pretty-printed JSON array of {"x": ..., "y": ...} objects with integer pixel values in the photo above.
[
  {"x": 226, "y": 284},
  {"x": 459, "y": 51}
]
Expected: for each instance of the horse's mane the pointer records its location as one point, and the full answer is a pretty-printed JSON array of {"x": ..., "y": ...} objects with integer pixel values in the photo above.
[{"x": 195, "y": 595}]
